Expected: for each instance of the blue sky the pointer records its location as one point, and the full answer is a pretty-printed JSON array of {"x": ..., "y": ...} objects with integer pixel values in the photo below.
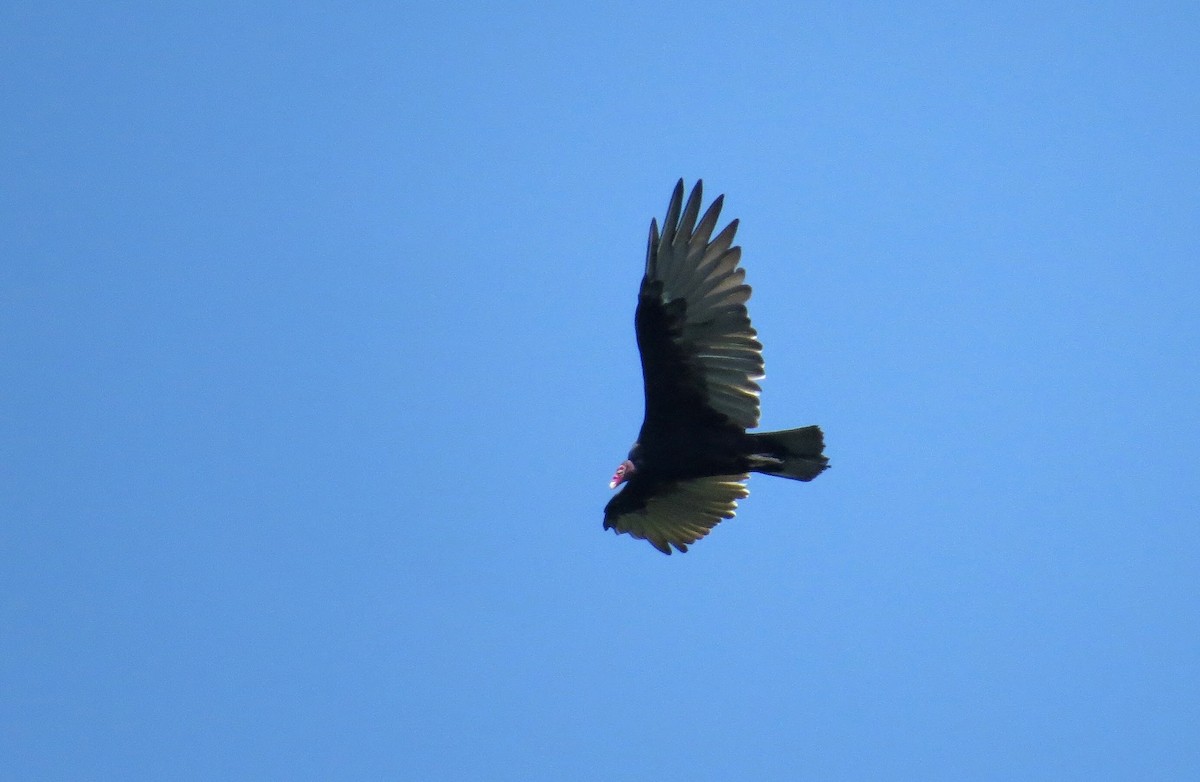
[{"x": 317, "y": 353}]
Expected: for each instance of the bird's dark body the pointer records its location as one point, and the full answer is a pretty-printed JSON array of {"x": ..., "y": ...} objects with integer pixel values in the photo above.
[
  {"x": 700, "y": 360},
  {"x": 701, "y": 453}
]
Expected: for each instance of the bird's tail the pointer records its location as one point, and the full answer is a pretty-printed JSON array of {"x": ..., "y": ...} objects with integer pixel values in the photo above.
[{"x": 792, "y": 453}]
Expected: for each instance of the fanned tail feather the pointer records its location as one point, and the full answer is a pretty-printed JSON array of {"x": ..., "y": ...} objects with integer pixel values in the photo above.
[{"x": 791, "y": 453}]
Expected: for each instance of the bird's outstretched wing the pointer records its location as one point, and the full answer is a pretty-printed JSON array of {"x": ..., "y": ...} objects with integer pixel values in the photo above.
[
  {"x": 677, "y": 513},
  {"x": 700, "y": 356}
]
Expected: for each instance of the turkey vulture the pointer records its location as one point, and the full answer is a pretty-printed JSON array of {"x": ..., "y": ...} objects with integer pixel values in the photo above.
[{"x": 700, "y": 364}]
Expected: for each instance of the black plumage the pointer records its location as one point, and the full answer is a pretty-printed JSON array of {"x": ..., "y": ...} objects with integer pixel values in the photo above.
[{"x": 701, "y": 360}]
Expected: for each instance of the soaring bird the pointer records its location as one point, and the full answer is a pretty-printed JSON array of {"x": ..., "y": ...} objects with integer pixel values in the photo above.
[{"x": 701, "y": 360}]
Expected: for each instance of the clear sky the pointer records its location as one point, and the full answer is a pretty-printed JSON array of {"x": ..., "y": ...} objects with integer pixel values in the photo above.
[{"x": 317, "y": 357}]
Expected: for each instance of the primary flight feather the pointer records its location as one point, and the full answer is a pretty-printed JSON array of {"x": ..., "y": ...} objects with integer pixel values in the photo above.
[{"x": 701, "y": 363}]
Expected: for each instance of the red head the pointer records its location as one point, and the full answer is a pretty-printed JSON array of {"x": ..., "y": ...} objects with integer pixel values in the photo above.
[{"x": 624, "y": 472}]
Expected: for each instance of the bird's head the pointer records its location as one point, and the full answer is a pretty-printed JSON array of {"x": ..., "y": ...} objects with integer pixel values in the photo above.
[{"x": 625, "y": 471}]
